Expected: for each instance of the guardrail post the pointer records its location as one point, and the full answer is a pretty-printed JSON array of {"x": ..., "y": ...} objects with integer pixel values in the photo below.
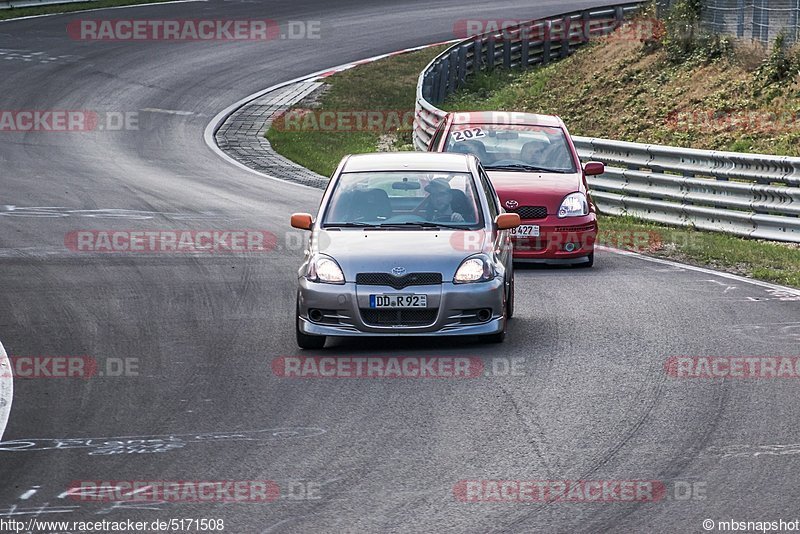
[
  {"x": 427, "y": 86},
  {"x": 794, "y": 28},
  {"x": 546, "y": 42},
  {"x": 444, "y": 66},
  {"x": 564, "y": 51},
  {"x": 740, "y": 19},
  {"x": 477, "y": 55},
  {"x": 585, "y": 22},
  {"x": 525, "y": 34},
  {"x": 490, "y": 53},
  {"x": 452, "y": 62},
  {"x": 507, "y": 52},
  {"x": 462, "y": 65}
]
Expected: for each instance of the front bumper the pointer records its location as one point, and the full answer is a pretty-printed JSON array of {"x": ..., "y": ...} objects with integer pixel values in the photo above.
[
  {"x": 451, "y": 309},
  {"x": 567, "y": 240}
]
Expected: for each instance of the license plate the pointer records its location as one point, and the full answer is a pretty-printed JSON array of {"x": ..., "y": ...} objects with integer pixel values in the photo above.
[
  {"x": 526, "y": 230},
  {"x": 398, "y": 301}
]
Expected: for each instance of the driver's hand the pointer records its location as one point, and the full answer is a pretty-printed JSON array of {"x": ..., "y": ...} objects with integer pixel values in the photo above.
[{"x": 456, "y": 217}]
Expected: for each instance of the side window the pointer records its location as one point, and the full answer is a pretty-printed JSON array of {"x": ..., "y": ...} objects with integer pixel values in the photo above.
[{"x": 491, "y": 196}]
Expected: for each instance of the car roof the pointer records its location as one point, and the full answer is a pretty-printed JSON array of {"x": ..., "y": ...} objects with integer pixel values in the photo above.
[
  {"x": 505, "y": 117},
  {"x": 408, "y": 161}
]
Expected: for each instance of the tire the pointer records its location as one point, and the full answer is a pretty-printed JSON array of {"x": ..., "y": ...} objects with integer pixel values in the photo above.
[
  {"x": 499, "y": 337},
  {"x": 586, "y": 264},
  {"x": 510, "y": 301},
  {"x": 495, "y": 338},
  {"x": 307, "y": 341}
]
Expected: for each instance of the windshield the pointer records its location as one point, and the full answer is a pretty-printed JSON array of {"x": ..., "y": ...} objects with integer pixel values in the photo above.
[
  {"x": 506, "y": 147},
  {"x": 405, "y": 200}
]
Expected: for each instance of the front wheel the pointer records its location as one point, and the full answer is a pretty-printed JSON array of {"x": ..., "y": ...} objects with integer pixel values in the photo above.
[
  {"x": 495, "y": 338},
  {"x": 510, "y": 301},
  {"x": 306, "y": 341},
  {"x": 588, "y": 263}
]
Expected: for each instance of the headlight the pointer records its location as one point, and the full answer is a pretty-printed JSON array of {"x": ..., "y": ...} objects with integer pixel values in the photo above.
[
  {"x": 474, "y": 269},
  {"x": 574, "y": 205},
  {"x": 325, "y": 270}
]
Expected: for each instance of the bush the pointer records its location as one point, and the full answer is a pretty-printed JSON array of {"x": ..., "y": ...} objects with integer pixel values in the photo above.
[
  {"x": 685, "y": 40},
  {"x": 781, "y": 64}
]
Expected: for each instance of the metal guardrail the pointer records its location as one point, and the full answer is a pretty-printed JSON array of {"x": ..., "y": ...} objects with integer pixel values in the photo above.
[
  {"x": 750, "y": 195},
  {"x": 36, "y": 3}
]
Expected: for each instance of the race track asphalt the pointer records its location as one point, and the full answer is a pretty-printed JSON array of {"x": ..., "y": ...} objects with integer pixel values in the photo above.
[{"x": 590, "y": 400}]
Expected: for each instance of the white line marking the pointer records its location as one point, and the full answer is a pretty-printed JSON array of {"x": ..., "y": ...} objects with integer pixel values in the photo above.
[
  {"x": 729, "y": 276},
  {"x": 167, "y": 111},
  {"x": 6, "y": 389},
  {"x": 220, "y": 117},
  {"x": 99, "y": 9}
]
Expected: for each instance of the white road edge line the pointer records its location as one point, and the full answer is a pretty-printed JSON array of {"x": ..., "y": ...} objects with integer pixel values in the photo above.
[
  {"x": 220, "y": 117},
  {"x": 167, "y": 2},
  {"x": 6, "y": 389},
  {"x": 722, "y": 274}
]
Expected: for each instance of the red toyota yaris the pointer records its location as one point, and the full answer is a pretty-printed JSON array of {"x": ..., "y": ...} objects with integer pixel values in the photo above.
[{"x": 533, "y": 165}]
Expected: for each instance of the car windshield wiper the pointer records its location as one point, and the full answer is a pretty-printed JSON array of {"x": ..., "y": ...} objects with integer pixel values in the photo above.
[
  {"x": 351, "y": 225},
  {"x": 521, "y": 167},
  {"x": 424, "y": 224}
]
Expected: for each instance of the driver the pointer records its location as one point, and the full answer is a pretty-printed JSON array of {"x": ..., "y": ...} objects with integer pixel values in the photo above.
[{"x": 439, "y": 202}]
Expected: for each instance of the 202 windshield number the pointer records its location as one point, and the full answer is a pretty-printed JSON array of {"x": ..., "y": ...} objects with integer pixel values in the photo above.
[{"x": 466, "y": 135}]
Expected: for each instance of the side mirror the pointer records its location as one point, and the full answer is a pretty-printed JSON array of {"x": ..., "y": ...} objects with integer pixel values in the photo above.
[
  {"x": 593, "y": 168},
  {"x": 303, "y": 221},
  {"x": 504, "y": 221}
]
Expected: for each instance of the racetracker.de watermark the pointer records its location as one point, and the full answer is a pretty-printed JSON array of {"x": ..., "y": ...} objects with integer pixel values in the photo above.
[
  {"x": 555, "y": 238},
  {"x": 84, "y": 367},
  {"x": 638, "y": 30},
  {"x": 577, "y": 491},
  {"x": 61, "y": 120},
  {"x": 191, "y": 30},
  {"x": 352, "y": 120},
  {"x": 772, "y": 367},
  {"x": 439, "y": 367},
  {"x": 170, "y": 241},
  {"x": 225, "y": 491}
]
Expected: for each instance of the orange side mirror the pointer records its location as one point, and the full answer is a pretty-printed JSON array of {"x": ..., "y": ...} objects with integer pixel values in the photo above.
[
  {"x": 303, "y": 221},
  {"x": 504, "y": 221}
]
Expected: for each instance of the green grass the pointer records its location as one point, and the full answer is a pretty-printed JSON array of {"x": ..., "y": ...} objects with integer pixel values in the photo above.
[
  {"x": 388, "y": 84},
  {"x": 763, "y": 260},
  {"x": 68, "y": 8}
]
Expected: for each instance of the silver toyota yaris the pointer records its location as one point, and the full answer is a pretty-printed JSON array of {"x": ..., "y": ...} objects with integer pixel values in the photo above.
[{"x": 407, "y": 244}]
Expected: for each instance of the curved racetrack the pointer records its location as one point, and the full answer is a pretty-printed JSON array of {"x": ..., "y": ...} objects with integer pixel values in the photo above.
[{"x": 593, "y": 402}]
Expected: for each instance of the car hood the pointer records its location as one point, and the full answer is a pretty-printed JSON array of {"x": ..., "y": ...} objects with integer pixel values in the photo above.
[
  {"x": 380, "y": 251},
  {"x": 535, "y": 189}
]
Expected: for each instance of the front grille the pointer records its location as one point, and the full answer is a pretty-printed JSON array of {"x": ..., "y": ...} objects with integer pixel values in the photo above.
[
  {"x": 584, "y": 228},
  {"x": 398, "y": 282},
  {"x": 399, "y": 317},
  {"x": 530, "y": 212}
]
